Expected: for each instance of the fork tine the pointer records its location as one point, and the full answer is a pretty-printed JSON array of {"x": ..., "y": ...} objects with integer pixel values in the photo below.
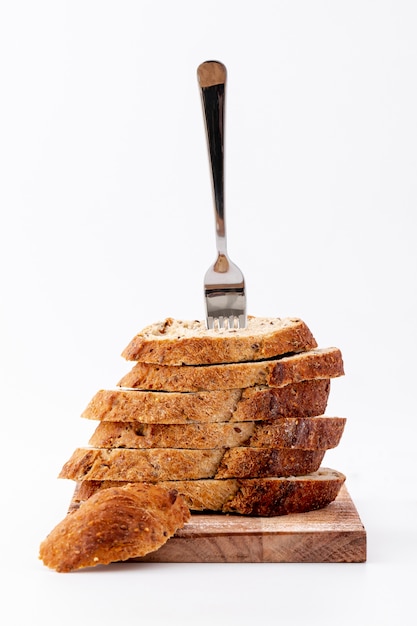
[
  {"x": 225, "y": 307},
  {"x": 222, "y": 322}
]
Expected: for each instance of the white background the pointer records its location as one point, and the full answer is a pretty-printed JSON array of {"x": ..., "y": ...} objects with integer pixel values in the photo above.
[{"x": 107, "y": 225}]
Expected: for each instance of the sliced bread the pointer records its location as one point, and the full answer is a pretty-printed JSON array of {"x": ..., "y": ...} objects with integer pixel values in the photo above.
[
  {"x": 317, "y": 363},
  {"x": 250, "y": 496},
  {"x": 156, "y": 464},
  {"x": 178, "y": 342},
  {"x": 307, "y": 398},
  {"x": 307, "y": 433}
]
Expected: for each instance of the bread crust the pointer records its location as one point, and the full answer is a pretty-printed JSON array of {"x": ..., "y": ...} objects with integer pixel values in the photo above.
[
  {"x": 157, "y": 464},
  {"x": 115, "y": 524},
  {"x": 229, "y": 422},
  {"x": 306, "y": 398},
  {"x": 283, "y": 497},
  {"x": 177, "y": 342},
  {"x": 311, "y": 365},
  {"x": 308, "y": 433},
  {"x": 247, "y": 496}
]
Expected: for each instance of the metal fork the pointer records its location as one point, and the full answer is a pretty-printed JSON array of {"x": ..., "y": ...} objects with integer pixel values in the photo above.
[{"x": 224, "y": 284}]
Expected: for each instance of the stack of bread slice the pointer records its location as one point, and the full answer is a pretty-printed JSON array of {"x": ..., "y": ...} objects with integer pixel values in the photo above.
[{"x": 233, "y": 421}]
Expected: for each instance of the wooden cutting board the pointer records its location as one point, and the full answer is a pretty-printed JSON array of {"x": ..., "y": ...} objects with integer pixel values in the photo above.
[{"x": 334, "y": 534}]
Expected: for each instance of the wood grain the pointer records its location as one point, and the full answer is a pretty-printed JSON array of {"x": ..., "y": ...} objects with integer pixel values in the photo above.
[
  {"x": 211, "y": 73},
  {"x": 334, "y": 534}
]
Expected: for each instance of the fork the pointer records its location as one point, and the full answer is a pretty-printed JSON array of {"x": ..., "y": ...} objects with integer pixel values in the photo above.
[{"x": 224, "y": 284}]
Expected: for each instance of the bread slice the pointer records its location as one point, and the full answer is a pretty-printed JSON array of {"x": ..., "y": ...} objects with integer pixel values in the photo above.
[
  {"x": 115, "y": 524},
  {"x": 307, "y": 433},
  {"x": 307, "y": 398},
  {"x": 177, "y": 342},
  {"x": 247, "y": 496},
  {"x": 156, "y": 464},
  {"x": 318, "y": 363}
]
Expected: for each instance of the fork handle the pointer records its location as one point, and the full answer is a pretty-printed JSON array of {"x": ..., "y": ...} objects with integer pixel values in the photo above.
[{"x": 212, "y": 80}]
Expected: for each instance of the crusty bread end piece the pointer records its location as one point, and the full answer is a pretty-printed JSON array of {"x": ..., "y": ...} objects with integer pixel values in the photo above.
[
  {"x": 178, "y": 342},
  {"x": 115, "y": 524}
]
